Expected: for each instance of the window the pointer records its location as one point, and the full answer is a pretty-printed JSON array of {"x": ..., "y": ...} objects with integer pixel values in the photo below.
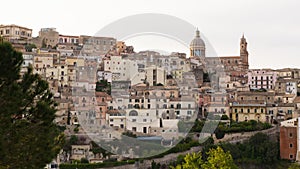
[
  {"x": 291, "y": 135},
  {"x": 242, "y": 110},
  {"x": 133, "y": 113},
  {"x": 235, "y": 110},
  {"x": 133, "y": 120},
  {"x": 248, "y": 110},
  {"x": 144, "y": 120},
  {"x": 111, "y": 120},
  {"x": 7, "y": 31},
  {"x": 291, "y": 145},
  {"x": 270, "y": 111},
  {"x": 291, "y": 156},
  {"x": 262, "y": 110},
  {"x": 255, "y": 110}
]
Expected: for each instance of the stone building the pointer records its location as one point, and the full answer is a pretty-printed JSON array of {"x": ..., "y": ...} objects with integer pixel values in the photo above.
[
  {"x": 15, "y": 33},
  {"x": 96, "y": 46},
  {"x": 48, "y": 38}
]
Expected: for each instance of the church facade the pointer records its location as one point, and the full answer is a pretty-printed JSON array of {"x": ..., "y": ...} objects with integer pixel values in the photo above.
[{"x": 234, "y": 66}]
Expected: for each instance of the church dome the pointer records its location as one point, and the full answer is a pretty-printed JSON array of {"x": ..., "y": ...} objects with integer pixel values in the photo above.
[{"x": 197, "y": 41}]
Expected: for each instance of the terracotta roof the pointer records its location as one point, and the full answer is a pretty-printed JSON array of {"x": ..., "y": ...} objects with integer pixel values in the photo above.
[
  {"x": 102, "y": 104},
  {"x": 297, "y": 99},
  {"x": 101, "y": 94},
  {"x": 116, "y": 111},
  {"x": 289, "y": 95}
]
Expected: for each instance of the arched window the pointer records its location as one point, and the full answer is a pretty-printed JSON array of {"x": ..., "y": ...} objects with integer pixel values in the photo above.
[{"x": 133, "y": 113}]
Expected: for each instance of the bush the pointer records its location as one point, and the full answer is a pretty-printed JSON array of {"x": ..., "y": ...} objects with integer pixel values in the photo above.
[
  {"x": 84, "y": 160},
  {"x": 224, "y": 117},
  {"x": 76, "y": 129},
  {"x": 251, "y": 125},
  {"x": 259, "y": 148},
  {"x": 219, "y": 134}
]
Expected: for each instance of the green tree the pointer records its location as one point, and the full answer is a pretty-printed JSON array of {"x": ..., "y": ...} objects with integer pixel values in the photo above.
[
  {"x": 84, "y": 160},
  {"x": 218, "y": 159},
  {"x": 262, "y": 149},
  {"x": 29, "y": 47},
  {"x": 103, "y": 86},
  {"x": 191, "y": 161},
  {"x": 219, "y": 133},
  {"x": 29, "y": 138},
  {"x": 294, "y": 166}
]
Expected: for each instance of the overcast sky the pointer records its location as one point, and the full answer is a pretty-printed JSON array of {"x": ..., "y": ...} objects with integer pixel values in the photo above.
[{"x": 272, "y": 27}]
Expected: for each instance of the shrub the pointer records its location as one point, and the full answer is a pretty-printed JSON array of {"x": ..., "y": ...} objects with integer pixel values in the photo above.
[{"x": 219, "y": 134}]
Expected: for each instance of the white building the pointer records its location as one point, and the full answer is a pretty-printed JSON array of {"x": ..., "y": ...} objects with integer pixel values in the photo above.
[
  {"x": 262, "y": 78},
  {"x": 27, "y": 61},
  {"x": 123, "y": 70},
  {"x": 155, "y": 75},
  {"x": 291, "y": 87}
]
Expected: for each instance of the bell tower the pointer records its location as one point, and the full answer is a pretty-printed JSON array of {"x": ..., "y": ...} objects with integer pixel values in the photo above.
[{"x": 244, "y": 52}]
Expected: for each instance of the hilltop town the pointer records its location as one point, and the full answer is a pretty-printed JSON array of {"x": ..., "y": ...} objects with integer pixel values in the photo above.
[{"x": 103, "y": 86}]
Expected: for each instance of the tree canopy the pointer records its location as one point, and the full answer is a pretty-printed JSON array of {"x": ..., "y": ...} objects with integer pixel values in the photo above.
[
  {"x": 217, "y": 159},
  {"x": 29, "y": 138}
]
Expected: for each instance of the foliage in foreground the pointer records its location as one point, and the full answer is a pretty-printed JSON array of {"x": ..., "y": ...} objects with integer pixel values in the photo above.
[
  {"x": 217, "y": 158},
  {"x": 259, "y": 148},
  {"x": 29, "y": 136}
]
